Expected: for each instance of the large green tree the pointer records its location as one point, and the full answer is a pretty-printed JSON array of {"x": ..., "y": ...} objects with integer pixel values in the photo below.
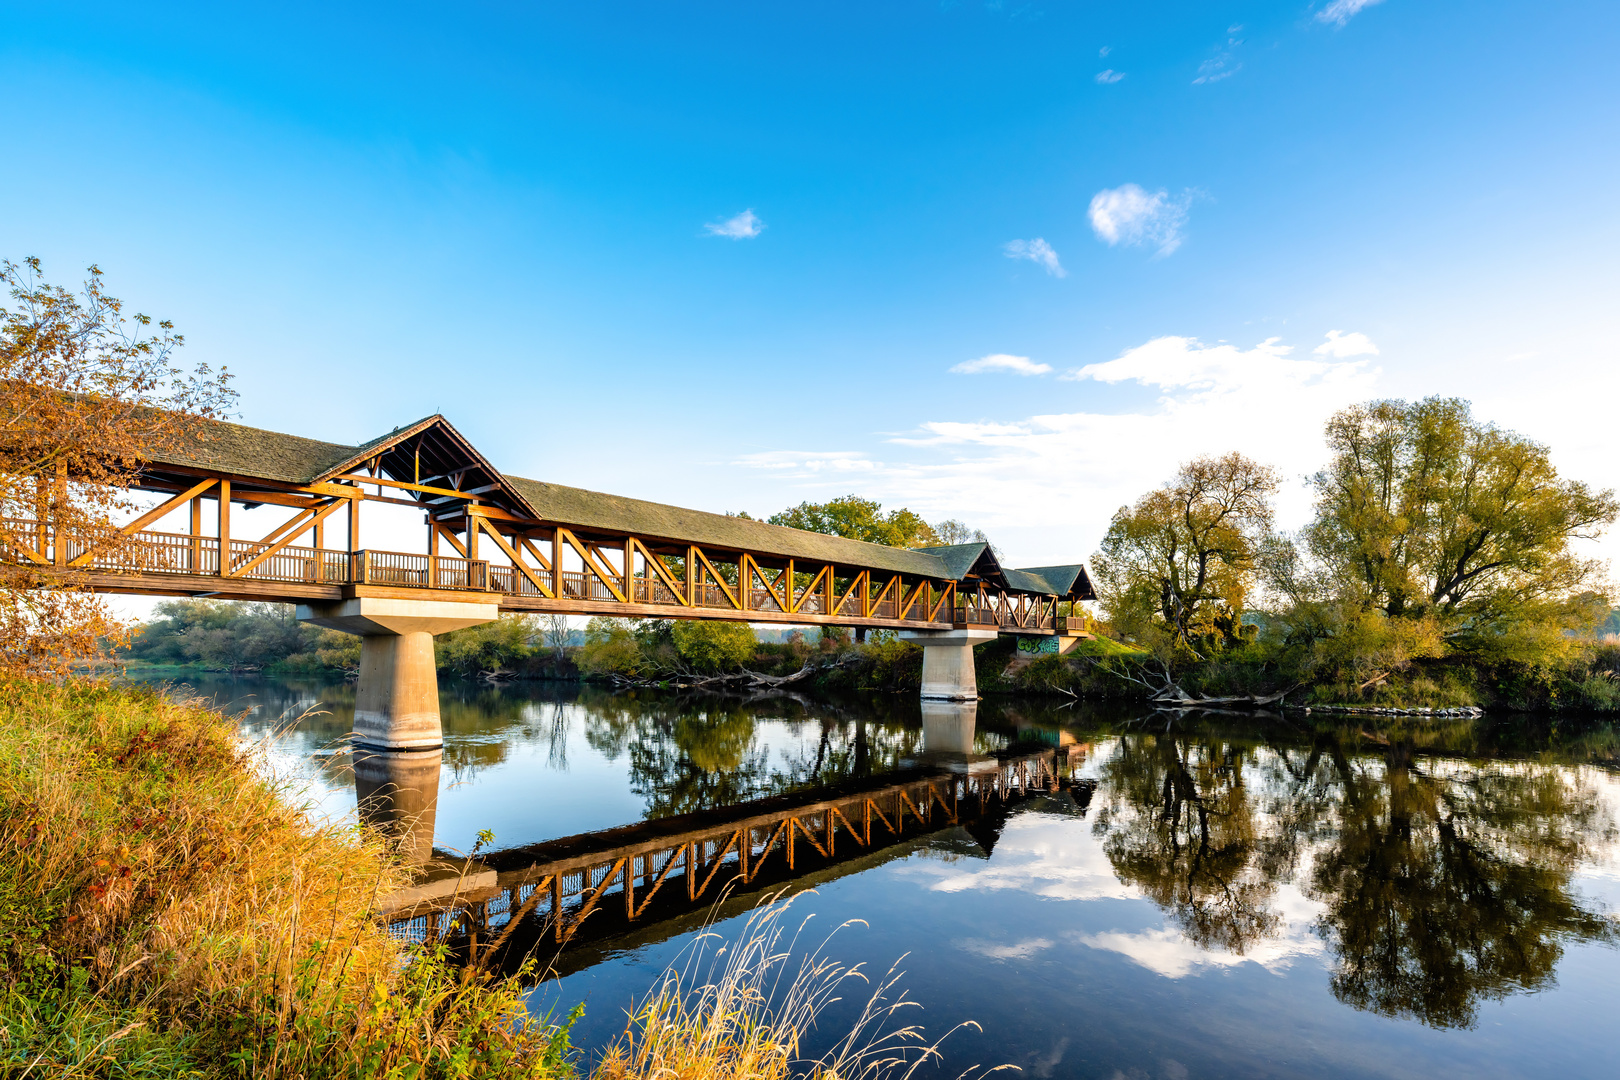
[
  {"x": 1424, "y": 511},
  {"x": 1182, "y": 560}
]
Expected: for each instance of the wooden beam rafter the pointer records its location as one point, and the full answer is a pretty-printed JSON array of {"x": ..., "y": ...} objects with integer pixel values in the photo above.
[
  {"x": 517, "y": 560},
  {"x": 608, "y": 578},
  {"x": 676, "y": 589},
  {"x": 720, "y": 582},
  {"x": 291, "y": 534},
  {"x": 810, "y": 589}
]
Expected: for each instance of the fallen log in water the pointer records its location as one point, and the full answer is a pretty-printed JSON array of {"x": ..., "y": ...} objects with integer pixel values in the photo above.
[{"x": 1181, "y": 700}]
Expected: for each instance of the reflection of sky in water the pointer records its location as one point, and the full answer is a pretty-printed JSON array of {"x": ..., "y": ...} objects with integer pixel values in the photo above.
[
  {"x": 1073, "y": 972},
  {"x": 1074, "y": 963}
]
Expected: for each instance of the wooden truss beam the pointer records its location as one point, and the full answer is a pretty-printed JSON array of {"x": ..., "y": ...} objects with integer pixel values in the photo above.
[
  {"x": 293, "y": 529},
  {"x": 517, "y": 560},
  {"x": 607, "y": 578},
  {"x": 677, "y": 589}
]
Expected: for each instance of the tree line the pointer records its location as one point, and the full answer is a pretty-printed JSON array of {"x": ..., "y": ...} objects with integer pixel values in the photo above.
[{"x": 1436, "y": 539}]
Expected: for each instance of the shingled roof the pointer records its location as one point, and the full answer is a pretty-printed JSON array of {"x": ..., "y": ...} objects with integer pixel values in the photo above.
[
  {"x": 255, "y": 453},
  {"x": 247, "y": 451},
  {"x": 1070, "y": 580},
  {"x": 616, "y": 513}
]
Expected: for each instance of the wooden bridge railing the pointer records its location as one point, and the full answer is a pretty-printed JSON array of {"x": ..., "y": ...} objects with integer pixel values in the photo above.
[
  {"x": 560, "y": 893},
  {"x": 184, "y": 554}
]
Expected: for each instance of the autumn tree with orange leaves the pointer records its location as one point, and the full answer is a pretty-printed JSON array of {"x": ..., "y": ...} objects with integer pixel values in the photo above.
[{"x": 86, "y": 393}]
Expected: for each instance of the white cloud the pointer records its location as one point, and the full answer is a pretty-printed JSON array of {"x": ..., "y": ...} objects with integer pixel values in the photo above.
[
  {"x": 1036, "y": 251},
  {"x": 803, "y": 462},
  {"x": 1018, "y": 365},
  {"x": 1213, "y": 71},
  {"x": 1103, "y": 52},
  {"x": 1045, "y": 855},
  {"x": 1109, "y": 76},
  {"x": 1129, "y": 215},
  {"x": 745, "y": 226},
  {"x": 1167, "y": 951},
  {"x": 1342, "y": 346},
  {"x": 1046, "y": 484},
  {"x": 995, "y": 950},
  {"x": 1340, "y": 12}
]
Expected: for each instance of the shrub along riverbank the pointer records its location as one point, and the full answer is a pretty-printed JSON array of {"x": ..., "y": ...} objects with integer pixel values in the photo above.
[
  {"x": 1373, "y": 666},
  {"x": 167, "y": 911}
]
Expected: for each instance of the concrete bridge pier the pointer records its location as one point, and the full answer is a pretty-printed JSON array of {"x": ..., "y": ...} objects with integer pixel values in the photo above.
[
  {"x": 947, "y": 673},
  {"x": 397, "y": 702}
]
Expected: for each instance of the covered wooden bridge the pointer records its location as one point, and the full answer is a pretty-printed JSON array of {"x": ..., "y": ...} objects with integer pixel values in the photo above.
[{"x": 495, "y": 543}]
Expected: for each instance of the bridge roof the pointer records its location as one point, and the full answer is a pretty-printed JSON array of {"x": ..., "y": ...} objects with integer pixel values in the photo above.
[
  {"x": 1069, "y": 581},
  {"x": 266, "y": 455},
  {"x": 617, "y": 513},
  {"x": 255, "y": 453}
]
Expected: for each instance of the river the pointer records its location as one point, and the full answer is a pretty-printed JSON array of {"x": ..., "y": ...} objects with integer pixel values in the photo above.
[{"x": 1213, "y": 896}]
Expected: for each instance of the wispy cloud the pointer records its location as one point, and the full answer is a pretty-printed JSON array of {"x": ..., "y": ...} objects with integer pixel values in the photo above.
[
  {"x": 998, "y": 950},
  {"x": 1102, "y": 53},
  {"x": 1037, "y": 251},
  {"x": 1018, "y": 365},
  {"x": 1109, "y": 76},
  {"x": 1045, "y": 484},
  {"x": 809, "y": 462},
  {"x": 1129, "y": 215},
  {"x": 1216, "y": 69},
  {"x": 1342, "y": 346},
  {"x": 1340, "y": 12},
  {"x": 745, "y": 226}
]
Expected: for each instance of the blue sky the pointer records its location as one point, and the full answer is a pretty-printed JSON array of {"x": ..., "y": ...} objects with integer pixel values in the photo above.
[{"x": 728, "y": 255}]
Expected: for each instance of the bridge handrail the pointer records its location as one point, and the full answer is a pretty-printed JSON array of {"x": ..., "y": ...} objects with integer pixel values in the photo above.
[{"x": 154, "y": 552}]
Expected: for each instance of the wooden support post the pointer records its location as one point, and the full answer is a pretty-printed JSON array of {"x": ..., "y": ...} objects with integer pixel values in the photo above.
[
  {"x": 224, "y": 528},
  {"x": 745, "y": 581},
  {"x": 59, "y": 515},
  {"x": 691, "y": 576},
  {"x": 828, "y": 593},
  {"x": 354, "y": 524},
  {"x": 556, "y": 564},
  {"x": 196, "y": 535},
  {"x": 629, "y": 573},
  {"x": 792, "y": 596},
  {"x": 472, "y": 537}
]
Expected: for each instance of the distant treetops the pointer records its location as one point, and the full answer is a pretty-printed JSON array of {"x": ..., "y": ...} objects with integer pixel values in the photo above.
[{"x": 855, "y": 518}]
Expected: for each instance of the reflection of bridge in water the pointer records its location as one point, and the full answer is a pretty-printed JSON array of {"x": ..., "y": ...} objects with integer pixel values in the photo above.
[{"x": 598, "y": 884}]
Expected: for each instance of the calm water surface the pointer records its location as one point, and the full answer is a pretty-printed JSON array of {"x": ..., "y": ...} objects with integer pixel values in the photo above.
[{"x": 1238, "y": 897}]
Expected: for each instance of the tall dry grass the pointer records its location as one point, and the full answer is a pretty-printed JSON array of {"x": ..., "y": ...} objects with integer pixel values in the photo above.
[
  {"x": 168, "y": 910},
  {"x": 744, "y": 1008}
]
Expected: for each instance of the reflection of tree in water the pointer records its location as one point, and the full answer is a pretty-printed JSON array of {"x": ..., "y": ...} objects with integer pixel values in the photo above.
[
  {"x": 1448, "y": 884},
  {"x": 1444, "y": 883},
  {"x": 688, "y": 754},
  {"x": 1180, "y": 826}
]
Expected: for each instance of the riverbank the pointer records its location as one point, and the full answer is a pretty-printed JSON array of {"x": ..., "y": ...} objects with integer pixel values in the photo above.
[
  {"x": 169, "y": 912},
  {"x": 166, "y": 909}
]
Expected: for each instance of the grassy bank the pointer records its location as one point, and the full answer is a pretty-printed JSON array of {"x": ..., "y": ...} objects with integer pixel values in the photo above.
[{"x": 167, "y": 912}]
